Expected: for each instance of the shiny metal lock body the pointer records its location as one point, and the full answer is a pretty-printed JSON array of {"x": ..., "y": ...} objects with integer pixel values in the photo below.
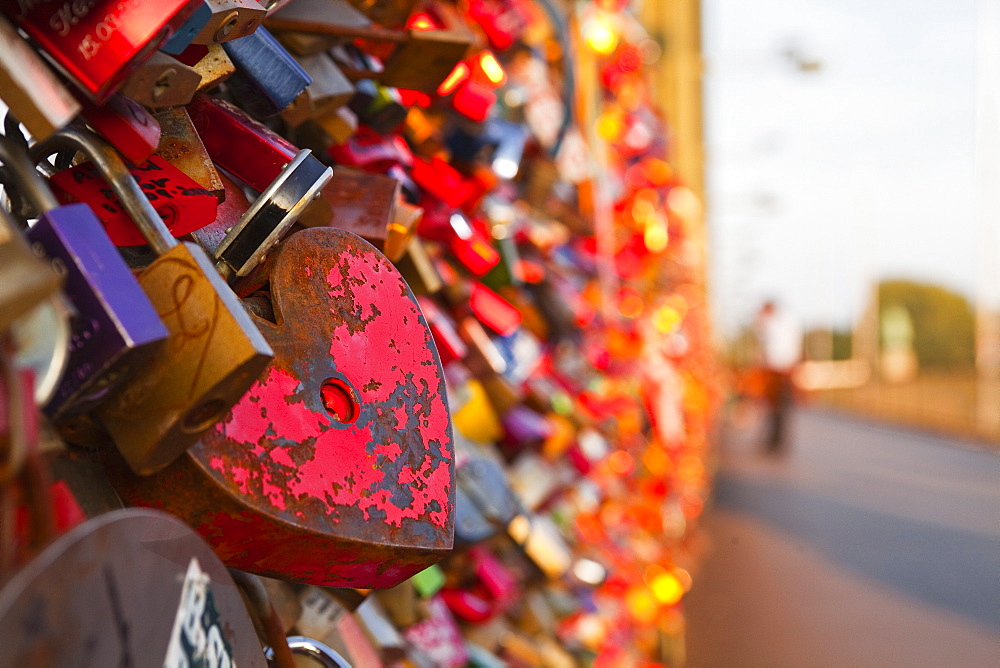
[
  {"x": 162, "y": 81},
  {"x": 245, "y": 148},
  {"x": 336, "y": 468},
  {"x": 217, "y": 21},
  {"x": 267, "y": 78},
  {"x": 129, "y": 587},
  {"x": 271, "y": 215},
  {"x": 29, "y": 88},
  {"x": 214, "y": 351},
  {"x": 98, "y": 43},
  {"x": 115, "y": 328}
]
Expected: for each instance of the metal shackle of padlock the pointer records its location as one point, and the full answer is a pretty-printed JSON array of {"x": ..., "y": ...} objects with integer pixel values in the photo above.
[
  {"x": 337, "y": 466},
  {"x": 115, "y": 328},
  {"x": 322, "y": 655},
  {"x": 214, "y": 352}
]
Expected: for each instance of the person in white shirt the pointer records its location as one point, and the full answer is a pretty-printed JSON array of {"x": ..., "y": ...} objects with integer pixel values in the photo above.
[{"x": 779, "y": 337}]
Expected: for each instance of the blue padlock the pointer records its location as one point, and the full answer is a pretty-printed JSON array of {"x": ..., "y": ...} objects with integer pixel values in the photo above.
[{"x": 267, "y": 78}]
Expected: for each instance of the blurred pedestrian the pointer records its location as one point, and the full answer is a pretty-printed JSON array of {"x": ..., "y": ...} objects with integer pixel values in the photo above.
[{"x": 779, "y": 339}]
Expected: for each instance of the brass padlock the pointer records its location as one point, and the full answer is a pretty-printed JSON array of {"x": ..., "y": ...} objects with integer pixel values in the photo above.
[
  {"x": 214, "y": 68},
  {"x": 421, "y": 59},
  {"x": 162, "y": 81},
  {"x": 26, "y": 279},
  {"x": 388, "y": 13},
  {"x": 29, "y": 88},
  {"x": 214, "y": 352},
  {"x": 181, "y": 146}
]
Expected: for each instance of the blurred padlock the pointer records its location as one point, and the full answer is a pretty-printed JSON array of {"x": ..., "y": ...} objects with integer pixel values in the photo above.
[
  {"x": 491, "y": 504},
  {"x": 358, "y": 202},
  {"x": 419, "y": 270},
  {"x": 127, "y": 125},
  {"x": 368, "y": 150},
  {"x": 162, "y": 81},
  {"x": 214, "y": 352},
  {"x": 115, "y": 328},
  {"x": 334, "y": 12},
  {"x": 329, "y": 89},
  {"x": 503, "y": 21},
  {"x": 181, "y": 202},
  {"x": 100, "y": 42},
  {"x": 388, "y": 13},
  {"x": 27, "y": 280},
  {"x": 421, "y": 59},
  {"x": 181, "y": 146},
  {"x": 129, "y": 587},
  {"x": 377, "y": 106},
  {"x": 336, "y": 467},
  {"x": 29, "y": 89},
  {"x": 267, "y": 77}
]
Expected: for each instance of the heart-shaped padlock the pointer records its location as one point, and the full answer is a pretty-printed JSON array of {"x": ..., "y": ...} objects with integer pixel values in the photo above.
[{"x": 336, "y": 468}]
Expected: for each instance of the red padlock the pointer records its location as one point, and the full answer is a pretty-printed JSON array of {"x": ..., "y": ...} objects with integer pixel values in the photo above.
[
  {"x": 127, "y": 125},
  {"x": 183, "y": 204},
  {"x": 246, "y": 148},
  {"x": 98, "y": 43}
]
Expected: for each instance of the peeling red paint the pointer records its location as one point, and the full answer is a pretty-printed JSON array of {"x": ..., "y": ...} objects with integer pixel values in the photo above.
[{"x": 382, "y": 485}]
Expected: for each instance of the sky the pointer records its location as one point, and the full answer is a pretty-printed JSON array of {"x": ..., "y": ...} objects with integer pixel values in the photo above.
[{"x": 822, "y": 181}]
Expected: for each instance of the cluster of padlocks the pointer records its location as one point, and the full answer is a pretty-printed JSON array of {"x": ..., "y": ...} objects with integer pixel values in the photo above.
[{"x": 311, "y": 352}]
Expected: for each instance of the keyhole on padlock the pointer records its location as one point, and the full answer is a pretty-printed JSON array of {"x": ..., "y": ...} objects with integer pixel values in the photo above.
[
  {"x": 163, "y": 83},
  {"x": 340, "y": 400},
  {"x": 227, "y": 27},
  {"x": 204, "y": 416}
]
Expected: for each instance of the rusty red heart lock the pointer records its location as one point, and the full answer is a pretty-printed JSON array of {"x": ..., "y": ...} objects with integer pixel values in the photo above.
[{"x": 336, "y": 468}]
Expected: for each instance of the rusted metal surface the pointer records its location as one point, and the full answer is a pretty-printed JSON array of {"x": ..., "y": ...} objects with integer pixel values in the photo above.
[
  {"x": 336, "y": 468},
  {"x": 111, "y": 592},
  {"x": 358, "y": 202},
  {"x": 181, "y": 146}
]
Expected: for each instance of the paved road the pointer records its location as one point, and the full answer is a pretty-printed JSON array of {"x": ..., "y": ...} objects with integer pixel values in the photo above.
[{"x": 864, "y": 545}]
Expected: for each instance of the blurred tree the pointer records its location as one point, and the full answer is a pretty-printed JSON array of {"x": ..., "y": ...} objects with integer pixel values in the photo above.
[{"x": 943, "y": 322}]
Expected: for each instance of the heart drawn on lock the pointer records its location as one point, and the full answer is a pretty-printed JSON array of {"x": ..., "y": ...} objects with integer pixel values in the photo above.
[{"x": 336, "y": 468}]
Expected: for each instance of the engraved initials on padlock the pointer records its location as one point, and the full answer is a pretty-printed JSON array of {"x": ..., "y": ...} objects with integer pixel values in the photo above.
[{"x": 214, "y": 352}]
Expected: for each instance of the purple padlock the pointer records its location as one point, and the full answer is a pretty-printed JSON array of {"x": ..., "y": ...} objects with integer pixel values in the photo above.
[{"x": 115, "y": 327}]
